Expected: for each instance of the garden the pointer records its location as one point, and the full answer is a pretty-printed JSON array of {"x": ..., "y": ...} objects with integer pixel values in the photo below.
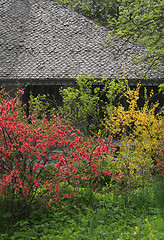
[{"x": 91, "y": 169}]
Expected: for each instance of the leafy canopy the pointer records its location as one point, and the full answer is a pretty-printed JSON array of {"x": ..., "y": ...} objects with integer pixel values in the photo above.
[
  {"x": 97, "y": 10},
  {"x": 142, "y": 22}
]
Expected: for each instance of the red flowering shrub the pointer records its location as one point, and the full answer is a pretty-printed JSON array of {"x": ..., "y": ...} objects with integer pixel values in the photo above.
[
  {"x": 160, "y": 164},
  {"x": 39, "y": 159}
]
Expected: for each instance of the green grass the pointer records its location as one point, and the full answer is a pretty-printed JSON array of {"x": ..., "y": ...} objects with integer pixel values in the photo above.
[{"x": 95, "y": 216}]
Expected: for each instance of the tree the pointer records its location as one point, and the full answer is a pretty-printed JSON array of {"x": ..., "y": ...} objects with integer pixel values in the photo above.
[
  {"x": 142, "y": 22},
  {"x": 97, "y": 10}
]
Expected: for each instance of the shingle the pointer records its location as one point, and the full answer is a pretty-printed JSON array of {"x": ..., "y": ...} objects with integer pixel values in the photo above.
[{"x": 43, "y": 39}]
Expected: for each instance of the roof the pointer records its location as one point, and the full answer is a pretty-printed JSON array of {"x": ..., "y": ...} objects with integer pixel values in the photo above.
[{"x": 42, "y": 39}]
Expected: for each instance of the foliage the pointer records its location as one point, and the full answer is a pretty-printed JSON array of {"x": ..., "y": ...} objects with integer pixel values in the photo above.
[
  {"x": 39, "y": 105},
  {"x": 40, "y": 159},
  {"x": 160, "y": 163},
  {"x": 85, "y": 105},
  {"x": 136, "y": 215},
  {"x": 142, "y": 22},
  {"x": 161, "y": 88},
  {"x": 140, "y": 132},
  {"x": 97, "y": 10}
]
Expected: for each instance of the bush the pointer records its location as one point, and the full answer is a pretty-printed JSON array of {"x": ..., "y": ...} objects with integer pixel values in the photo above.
[
  {"x": 44, "y": 161},
  {"x": 86, "y": 104},
  {"x": 140, "y": 131}
]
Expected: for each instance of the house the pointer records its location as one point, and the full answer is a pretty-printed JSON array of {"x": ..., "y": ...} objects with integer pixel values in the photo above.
[{"x": 46, "y": 45}]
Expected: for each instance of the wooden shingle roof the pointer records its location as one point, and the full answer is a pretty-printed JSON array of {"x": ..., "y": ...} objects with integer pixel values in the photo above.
[{"x": 42, "y": 39}]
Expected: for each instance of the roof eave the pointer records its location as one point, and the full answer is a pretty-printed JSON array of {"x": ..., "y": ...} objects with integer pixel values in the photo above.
[{"x": 71, "y": 81}]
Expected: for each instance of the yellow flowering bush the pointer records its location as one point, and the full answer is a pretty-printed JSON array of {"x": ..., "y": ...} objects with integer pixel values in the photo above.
[{"x": 140, "y": 132}]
